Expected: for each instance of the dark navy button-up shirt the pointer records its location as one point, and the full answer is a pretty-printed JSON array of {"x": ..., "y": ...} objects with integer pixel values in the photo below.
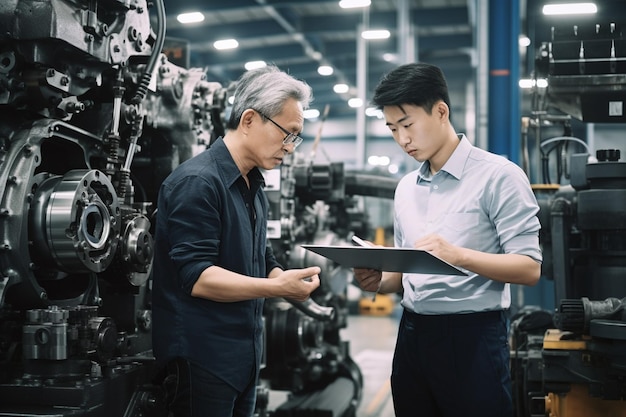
[{"x": 204, "y": 218}]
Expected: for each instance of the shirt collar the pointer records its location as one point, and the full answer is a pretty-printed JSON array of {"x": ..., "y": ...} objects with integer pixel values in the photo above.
[
  {"x": 454, "y": 165},
  {"x": 229, "y": 170}
]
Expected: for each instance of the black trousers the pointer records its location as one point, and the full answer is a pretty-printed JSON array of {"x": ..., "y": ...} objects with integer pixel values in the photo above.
[
  {"x": 191, "y": 391},
  {"x": 452, "y": 365}
]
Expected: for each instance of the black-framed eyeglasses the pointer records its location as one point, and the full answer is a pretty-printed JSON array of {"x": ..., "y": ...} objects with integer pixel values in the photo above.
[{"x": 291, "y": 138}]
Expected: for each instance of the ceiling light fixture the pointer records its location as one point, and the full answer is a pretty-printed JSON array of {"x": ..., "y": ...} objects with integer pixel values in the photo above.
[
  {"x": 374, "y": 112},
  {"x": 341, "y": 88},
  {"x": 378, "y": 160},
  {"x": 325, "y": 70},
  {"x": 389, "y": 57},
  {"x": 527, "y": 83},
  {"x": 311, "y": 114},
  {"x": 375, "y": 34},
  {"x": 225, "y": 44},
  {"x": 524, "y": 41},
  {"x": 355, "y": 102},
  {"x": 351, "y": 4},
  {"x": 192, "y": 17},
  {"x": 250, "y": 65},
  {"x": 569, "y": 8}
]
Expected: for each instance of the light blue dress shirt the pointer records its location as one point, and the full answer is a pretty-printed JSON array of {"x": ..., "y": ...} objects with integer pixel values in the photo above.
[{"x": 477, "y": 200}]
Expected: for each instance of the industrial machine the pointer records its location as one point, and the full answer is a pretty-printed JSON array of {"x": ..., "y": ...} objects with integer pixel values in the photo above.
[
  {"x": 573, "y": 363},
  {"x": 93, "y": 116}
]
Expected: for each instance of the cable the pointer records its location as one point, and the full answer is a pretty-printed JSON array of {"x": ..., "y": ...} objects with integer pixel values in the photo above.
[
  {"x": 566, "y": 138},
  {"x": 558, "y": 146},
  {"x": 157, "y": 48}
]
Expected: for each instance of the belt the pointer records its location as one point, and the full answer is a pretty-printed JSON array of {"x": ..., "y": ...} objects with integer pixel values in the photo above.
[{"x": 461, "y": 319}]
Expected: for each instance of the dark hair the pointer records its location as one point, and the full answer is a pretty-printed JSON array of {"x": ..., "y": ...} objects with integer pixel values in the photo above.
[
  {"x": 266, "y": 90},
  {"x": 419, "y": 84}
]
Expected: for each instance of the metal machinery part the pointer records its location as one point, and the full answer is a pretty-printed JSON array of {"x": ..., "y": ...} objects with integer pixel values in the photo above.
[
  {"x": 92, "y": 119},
  {"x": 75, "y": 221},
  {"x": 315, "y": 203},
  {"x": 86, "y": 136},
  {"x": 574, "y": 363}
]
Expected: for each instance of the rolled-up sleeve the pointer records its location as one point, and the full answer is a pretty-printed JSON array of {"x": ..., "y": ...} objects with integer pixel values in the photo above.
[
  {"x": 193, "y": 224},
  {"x": 514, "y": 209}
]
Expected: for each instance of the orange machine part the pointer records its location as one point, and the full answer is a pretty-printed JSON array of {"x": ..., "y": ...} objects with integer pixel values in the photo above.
[{"x": 578, "y": 403}]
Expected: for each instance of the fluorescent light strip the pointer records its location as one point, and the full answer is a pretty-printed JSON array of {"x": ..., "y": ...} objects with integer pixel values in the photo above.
[
  {"x": 193, "y": 17},
  {"x": 351, "y": 4},
  {"x": 311, "y": 114},
  {"x": 355, "y": 102},
  {"x": 325, "y": 70},
  {"x": 341, "y": 88},
  {"x": 527, "y": 83},
  {"x": 375, "y": 34},
  {"x": 250, "y": 65},
  {"x": 225, "y": 44},
  {"x": 569, "y": 8}
]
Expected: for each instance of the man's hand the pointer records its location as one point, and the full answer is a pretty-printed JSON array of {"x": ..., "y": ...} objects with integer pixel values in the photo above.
[
  {"x": 298, "y": 284},
  {"x": 368, "y": 279},
  {"x": 504, "y": 267},
  {"x": 440, "y": 247}
]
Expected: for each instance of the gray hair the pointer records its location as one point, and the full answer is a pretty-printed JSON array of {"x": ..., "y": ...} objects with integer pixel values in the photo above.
[{"x": 266, "y": 90}]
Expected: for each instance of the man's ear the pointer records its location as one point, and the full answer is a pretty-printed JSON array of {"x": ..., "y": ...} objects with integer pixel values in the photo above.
[
  {"x": 247, "y": 118},
  {"x": 443, "y": 110}
]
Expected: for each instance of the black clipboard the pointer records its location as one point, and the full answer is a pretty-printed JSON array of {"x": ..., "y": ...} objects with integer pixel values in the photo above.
[{"x": 386, "y": 259}]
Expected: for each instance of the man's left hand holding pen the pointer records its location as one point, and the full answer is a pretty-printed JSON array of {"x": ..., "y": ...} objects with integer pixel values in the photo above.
[{"x": 368, "y": 279}]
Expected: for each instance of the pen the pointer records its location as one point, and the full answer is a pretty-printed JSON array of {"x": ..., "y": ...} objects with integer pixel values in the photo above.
[
  {"x": 360, "y": 241},
  {"x": 363, "y": 243}
]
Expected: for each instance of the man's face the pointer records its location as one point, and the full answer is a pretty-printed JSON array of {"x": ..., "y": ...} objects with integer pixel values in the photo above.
[
  {"x": 271, "y": 149},
  {"x": 418, "y": 133}
]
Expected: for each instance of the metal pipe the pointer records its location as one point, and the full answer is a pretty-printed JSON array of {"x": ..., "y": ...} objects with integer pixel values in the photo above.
[{"x": 312, "y": 309}]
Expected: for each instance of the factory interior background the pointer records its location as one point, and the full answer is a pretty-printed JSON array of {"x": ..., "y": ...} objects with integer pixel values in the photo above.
[{"x": 101, "y": 99}]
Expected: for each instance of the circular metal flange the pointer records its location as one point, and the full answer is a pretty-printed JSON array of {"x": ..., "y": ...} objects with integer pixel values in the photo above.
[{"x": 82, "y": 221}]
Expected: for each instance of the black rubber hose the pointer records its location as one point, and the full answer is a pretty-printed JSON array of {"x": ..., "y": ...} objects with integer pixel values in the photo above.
[{"x": 140, "y": 94}]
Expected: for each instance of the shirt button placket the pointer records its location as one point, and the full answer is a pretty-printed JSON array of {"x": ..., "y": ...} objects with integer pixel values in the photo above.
[{"x": 433, "y": 210}]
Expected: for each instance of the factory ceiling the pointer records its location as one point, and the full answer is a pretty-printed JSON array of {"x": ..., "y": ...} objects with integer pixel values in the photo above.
[{"x": 299, "y": 36}]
